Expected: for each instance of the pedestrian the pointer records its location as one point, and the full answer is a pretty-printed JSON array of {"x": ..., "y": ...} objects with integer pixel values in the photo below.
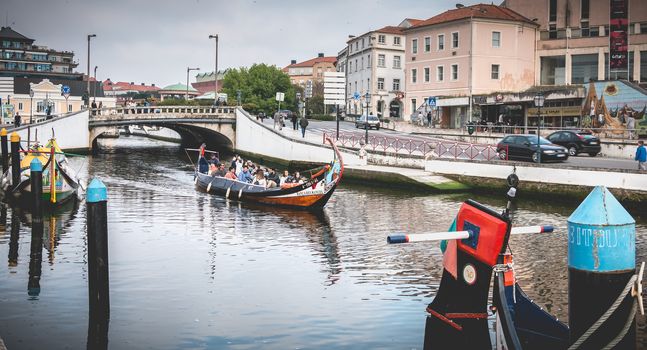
[
  {"x": 420, "y": 120},
  {"x": 294, "y": 118},
  {"x": 278, "y": 121},
  {"x": 304, "y": 124},
  {"x": 641, "y": 155},
  {"x": 429, "y": 119},
  {"x": 48, "y": 109},
  {"x": 17, "y": 120},
  {"x": 94, "y": 107}
]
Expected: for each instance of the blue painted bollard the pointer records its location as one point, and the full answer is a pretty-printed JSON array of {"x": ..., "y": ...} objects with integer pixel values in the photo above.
[
  {"x": 36, "y": 251},
  {"x": 601, "y": 261},
  {"x": 98, "y": 281}
]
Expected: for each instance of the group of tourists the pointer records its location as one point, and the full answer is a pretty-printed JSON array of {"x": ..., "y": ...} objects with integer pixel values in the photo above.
[{"x": 247, "y": 171}]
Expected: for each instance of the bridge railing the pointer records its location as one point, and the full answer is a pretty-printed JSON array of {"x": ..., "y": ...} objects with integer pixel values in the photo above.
[{"x": 107, "y": 112}]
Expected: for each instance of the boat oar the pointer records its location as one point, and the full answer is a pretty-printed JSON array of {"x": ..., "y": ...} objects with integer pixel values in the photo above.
[{"x": 441, "y": 236}]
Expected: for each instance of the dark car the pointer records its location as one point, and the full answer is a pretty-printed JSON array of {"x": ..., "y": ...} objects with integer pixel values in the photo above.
[
  {"x": 576, "y": 142},
  {"x": 525, "y": 147},
  {"x": 373, "y": 122}
]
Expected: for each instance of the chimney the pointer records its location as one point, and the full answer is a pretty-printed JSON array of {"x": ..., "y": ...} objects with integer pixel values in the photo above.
[
  {"x": 320, "y": 54},
  {"x": 153, "y": 84},
  {"x": 293, "y": 62},
  {"x": 142, "y": 84},
  {"x": 132, "y": 83}
]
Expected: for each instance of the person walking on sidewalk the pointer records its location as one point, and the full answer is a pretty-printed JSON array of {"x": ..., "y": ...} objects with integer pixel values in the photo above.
[
  {"x": 293, "y": 118},
  {"x": 641, "y": 155},
  {"x": 304, "y": 124}
]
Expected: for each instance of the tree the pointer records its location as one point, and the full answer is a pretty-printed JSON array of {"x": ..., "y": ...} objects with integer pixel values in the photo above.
[{"x": 258, "y": 85}]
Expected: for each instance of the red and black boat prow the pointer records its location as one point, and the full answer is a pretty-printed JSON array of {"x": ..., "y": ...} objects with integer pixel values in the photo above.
[{"x": 458, "y": 316}]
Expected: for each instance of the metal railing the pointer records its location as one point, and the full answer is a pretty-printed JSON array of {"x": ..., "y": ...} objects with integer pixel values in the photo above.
[
  {"x": 468, "y": 151},
  {"x": 384, "y": 144},
  {"x": 619, "y": 134},
  {"x": 158, "y": 111}
]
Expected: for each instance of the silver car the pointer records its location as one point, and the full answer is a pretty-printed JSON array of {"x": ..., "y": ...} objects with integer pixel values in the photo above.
[{"x": 373, "y": 122}]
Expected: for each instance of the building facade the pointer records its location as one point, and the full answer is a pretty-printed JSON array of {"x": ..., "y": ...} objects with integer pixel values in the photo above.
[
  {"x": 312, "y": 69},
  {"x": 374, "y": 65},
  {"x": 463, "y": 53},
  {"x": 19, "y": 56},
  {"x": 574, "y": 39}
]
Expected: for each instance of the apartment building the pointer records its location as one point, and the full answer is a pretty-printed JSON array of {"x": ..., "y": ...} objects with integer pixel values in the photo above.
[
  {"x": 311, "y": 69},
  {"x": 464, "y": 52}
]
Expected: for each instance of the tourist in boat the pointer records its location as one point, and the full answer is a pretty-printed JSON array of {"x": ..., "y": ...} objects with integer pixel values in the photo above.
[
  {"x": 231, "y": 174},
  {"x": 283, "y": 178},
  {"x": 212, "y": 169},
  {"x": 221, "y": 170},
  {"x": 273, "y": 179},
  {"x": 244, "y": 175},
  {"x": 298, "y": 178},
  {"x": 259, "y": 179},
  {"x": 238, "y": 164}
]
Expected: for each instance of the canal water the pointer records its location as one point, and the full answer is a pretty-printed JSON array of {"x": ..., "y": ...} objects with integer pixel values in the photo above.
[{"x": 193, "y": 271}]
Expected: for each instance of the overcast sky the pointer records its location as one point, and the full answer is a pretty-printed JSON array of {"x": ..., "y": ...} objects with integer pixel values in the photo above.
[{"x": 155, "y": 41}]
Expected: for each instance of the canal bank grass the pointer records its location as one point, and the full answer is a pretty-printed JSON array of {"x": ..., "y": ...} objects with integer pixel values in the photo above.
[{"x": 555, "y": 193}]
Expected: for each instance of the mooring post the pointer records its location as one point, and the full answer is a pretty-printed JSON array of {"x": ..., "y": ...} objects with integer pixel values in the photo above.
[
  {"x": 36, "y": 184},
  {"x": 36, "y": 252},
  {"x": 601, "y": 262},
  {"x": 98, "y": 281},
  {"x": 4, "y": 148},
  {"x": 15, "y": 160}
]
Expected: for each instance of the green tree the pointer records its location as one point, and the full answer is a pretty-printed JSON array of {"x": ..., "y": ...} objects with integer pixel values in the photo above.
[{"x": 258, "y": 85}]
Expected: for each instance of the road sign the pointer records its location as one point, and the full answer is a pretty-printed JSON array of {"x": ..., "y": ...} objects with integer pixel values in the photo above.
[
  {"x": 334, "y": 88},
  {"x": 280, "y": 96},
  {"x": 356, "y": 95},
  {"x": 431, "y": 101}
]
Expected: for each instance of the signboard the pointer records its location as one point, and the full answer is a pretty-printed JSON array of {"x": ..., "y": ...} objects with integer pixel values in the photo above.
[
  {"x": 567, "y": 111},
  {"x": 431, "y": 101},
  {"x": 356, "y": 95},
  {"x": 66, "y": 91},
  {"x": 618, "y": 30},
  {"x": 308, "y": 91},
  {"x": 334, "y": 88},
  {"x": 280, "y": 96}
]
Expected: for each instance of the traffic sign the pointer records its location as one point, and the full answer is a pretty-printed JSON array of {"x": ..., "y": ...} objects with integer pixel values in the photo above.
[
  {"x": 356, "y": 95},
  {"x": 431, "y": 101},
  {"x": 280, "y": 96}
]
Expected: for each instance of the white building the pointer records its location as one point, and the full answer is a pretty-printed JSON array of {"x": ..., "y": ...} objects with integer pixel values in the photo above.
[{"x": 374, "y": 64}]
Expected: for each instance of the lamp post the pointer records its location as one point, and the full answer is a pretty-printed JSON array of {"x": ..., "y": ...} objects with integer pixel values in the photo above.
[
  {"x": 368, "y": 103},
  {"x": 215, "y": 73},
  {"x": 94, "y": 87},
  {"x": 87, "y": 91},
  {"x": 539, "y": 102},
  {"x": 31, "y": 115},
  {"x": 187, "y": 82}
]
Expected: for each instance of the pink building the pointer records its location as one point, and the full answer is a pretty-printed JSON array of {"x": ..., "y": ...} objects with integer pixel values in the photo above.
[{"x": 462, "y": 53}]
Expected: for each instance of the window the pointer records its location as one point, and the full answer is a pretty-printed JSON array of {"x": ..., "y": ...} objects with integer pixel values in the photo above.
[
  {"x": 355, "y": 86},
  {"x": 496, "y": 39},
  {"x": 69, "y": 108},
  {"x": 396, "y": 84},
  {"x": 454, "y": 71},
  {"x": 552, "y": 11},
  {"x": 414, "y": 105},
  {"x": 552, "y": 70},
  {"x": 380, "y": 83},
  {"x": 356, "y": 45},
  {"x": 396, "y": 62},
  {"x": 441, "y": 42},
  {"x": 414, "y": 75},
  {"x": 396, "y": 40},
  {"x": 454, "y": 40},
  {"x": 584, "y": 68},
  {"x": 381, "y": 39},
  {"x": 356, "y": 65},
  {"x": 427, "y": 75},
  {"x": 20, "y": 106},
  {"x": 368, "y": 62},
  {"x": 362, "y": 43},
  {"x": 362, "y": 60},
  {"x": 350, "y": 66},
  {"x": 552, "y": 31},
  {"x": 495, "y": 71},
  {"x": 440, "y": 73},
  {"x": 381, "y": 60},
  {"x": 414, "y": 46},
  {"x": 584, "y": 26},
  {"x": 643, "y": 65},
  {"x": 427, "y": 44},
  {"x": 368, "y": 84}
]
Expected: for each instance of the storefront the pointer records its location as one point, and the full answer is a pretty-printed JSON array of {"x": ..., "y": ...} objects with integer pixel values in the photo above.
[
  {"x": 453, "y": 112},
  {"x": 562, "y": 116}
]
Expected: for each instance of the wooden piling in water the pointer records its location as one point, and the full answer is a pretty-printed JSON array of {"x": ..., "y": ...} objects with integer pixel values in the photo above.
[
  {"x": 98, "y": 279},
  {"x": 4, "y": 148},
  {"x": 15, "y": 160},
  {"x": 36, "y": 251}
]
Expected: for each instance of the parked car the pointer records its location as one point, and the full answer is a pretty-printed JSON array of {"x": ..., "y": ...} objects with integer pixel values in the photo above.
[
  {"x": 576, "y": 142},
  {"x": 373, "y": 122},
  {"x": 525, "y": 147}
]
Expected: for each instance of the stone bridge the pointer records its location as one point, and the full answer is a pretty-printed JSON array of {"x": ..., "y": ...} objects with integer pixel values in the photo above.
[{"x": 215, "y": 126}]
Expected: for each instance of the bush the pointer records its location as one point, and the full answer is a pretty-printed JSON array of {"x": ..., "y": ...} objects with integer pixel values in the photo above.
[{"x": 325, "y": 117}]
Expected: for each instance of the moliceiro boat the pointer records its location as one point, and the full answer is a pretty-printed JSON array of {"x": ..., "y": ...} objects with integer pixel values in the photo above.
[
  {"x": 312, "y": 193},
  {"x": 58, "y": 185}
]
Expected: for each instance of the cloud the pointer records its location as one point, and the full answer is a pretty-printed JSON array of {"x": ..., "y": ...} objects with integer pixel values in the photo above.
[{"x": 155, "y": 41}]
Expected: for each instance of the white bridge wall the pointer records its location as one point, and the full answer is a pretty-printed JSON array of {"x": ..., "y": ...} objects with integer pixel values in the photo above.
[
  {"x": 71, "y": 131},
  {"x": 254, "y": 137}
]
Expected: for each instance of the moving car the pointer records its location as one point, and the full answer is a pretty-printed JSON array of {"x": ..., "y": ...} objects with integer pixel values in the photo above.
[
  {"x": 525, "y": 147},
  {"x": 576, "y": 142},
  {"x": 373, "y": 122}
]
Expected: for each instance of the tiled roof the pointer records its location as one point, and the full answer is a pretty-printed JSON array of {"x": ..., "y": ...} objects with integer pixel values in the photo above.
[
  {"x": 476, "y": 11},
  {"x": 312, "y": 62},
  {"x": 125, "y": 86},
  {"x": 390, "y": 30},
  {"x": 413, "y": 21},
  {"x": 8, "y": 33}
]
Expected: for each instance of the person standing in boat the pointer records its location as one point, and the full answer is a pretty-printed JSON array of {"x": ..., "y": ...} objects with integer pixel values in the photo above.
[{"x": 304, "y": 124}]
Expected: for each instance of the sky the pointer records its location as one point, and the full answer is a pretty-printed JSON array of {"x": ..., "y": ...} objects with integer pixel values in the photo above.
[{"x": 146, "y": 41}]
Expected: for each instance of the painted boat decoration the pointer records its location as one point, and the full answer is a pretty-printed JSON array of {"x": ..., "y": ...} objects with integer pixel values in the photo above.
[
  {"x": 311, "y": 194},
  {"x": 58, "y": 185}
]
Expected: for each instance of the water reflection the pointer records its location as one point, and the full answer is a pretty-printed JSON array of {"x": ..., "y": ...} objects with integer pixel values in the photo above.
[
  {"x": 35, "y": 259},
  {"x": 13, "y": 240}
]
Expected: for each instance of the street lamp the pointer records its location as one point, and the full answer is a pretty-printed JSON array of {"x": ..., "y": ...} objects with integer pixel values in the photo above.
[
  {"x": 368, "y": 103},
  {"x": 215, "y": 73},
  {"x": 87, "y": 91},
  {"x": 31, "y": 115},
  {"x": 187, "y": 81},
  {"x": 539, "y": 102}
]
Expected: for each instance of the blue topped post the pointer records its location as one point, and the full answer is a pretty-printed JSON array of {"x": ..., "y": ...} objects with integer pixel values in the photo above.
[
  {"x": 98, "y": 281},
  {"x": 601, "y": 261},
  {"x": 36, "y": 251}
]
